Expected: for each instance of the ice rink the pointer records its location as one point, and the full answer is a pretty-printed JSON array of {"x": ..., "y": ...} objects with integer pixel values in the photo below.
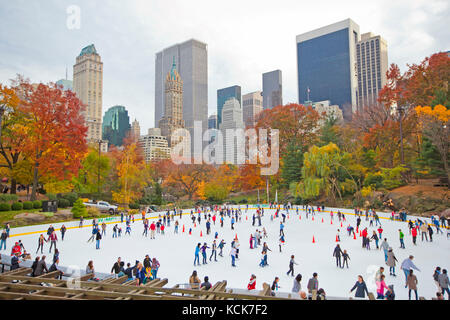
[{"x": 175, "y": 252}]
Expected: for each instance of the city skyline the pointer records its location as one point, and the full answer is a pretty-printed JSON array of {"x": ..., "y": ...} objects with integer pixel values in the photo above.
[{"x": 128, "y": 47}]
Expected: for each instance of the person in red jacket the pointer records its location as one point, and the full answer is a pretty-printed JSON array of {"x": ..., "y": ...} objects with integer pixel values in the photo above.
[
  {"x": 414, "y": 235},
  {"x": 16, "y": 249},
  {"x": 380, "y": 232},
  {"x": 364, "y": 238},
  {"x": 252, "y": 284},
  {"x": 214, "y": 219},
  {"x": 152, "y": 230},
  {"x": 53, "y": 238}
]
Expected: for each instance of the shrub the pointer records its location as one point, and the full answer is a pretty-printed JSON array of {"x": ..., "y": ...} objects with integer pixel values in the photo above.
[
  {"x": 27, "y": 205},
  {"x": 8, "y": 197},
  {"x": 52, "y": 197},
  {"x": 79, "y": 209},
  {"x": 5, "y": 206},
  {"x": 71, "y": 197},
  {"x": 63, "y": 203},
  {"x": 243, "y": 201},
  {"x": 17, "y": 206},
  {"x": 134, "y": 206},
  {"x": 93, "y": 212},
  {"x": 37, "y": 204},
  {"x": 133, "y": 211}
]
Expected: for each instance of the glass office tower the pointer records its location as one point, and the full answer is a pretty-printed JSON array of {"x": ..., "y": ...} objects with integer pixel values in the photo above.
[
  {"x": 222, "y": 96},
  {"x": 326, "y": 65}
]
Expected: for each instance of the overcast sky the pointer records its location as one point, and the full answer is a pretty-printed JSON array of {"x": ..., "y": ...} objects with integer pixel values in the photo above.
[{"x": 245, "y": 38}]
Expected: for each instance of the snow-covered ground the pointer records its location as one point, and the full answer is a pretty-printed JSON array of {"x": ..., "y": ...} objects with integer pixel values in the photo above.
[{"x": 175, "y": 252}]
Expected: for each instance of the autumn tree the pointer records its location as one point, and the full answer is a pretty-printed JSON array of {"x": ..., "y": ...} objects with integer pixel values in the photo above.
[
  {"x": 436, "y": 125},
  {"x": 133, "y": 175},
  {"x": 187, "y": 177},
  {"x": 54, "y": 131},
  {"x": 297, "y": 124},
  {"x": 11, "y": 133}
]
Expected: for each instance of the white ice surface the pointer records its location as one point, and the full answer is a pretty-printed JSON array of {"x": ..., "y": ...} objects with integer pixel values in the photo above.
[{"x": 175, "y": 252}]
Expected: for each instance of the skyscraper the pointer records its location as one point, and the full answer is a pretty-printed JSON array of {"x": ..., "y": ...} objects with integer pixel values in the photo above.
[
  {"x": 231, "y": 119},
  {"x": 372, "y": 65},
  {"x": 225, "y": 94},
  {"x": 252, "y": 105},
  {"x": 272, "y": 89},
  {"x": 212, "y": 121},
  {"x": 191, "y": 58},
  {"x": 326, "y": 65},
  {"x": 116, "y": 124},
  {"x": 173, "y": 100},
  {"x": 136, "y": 129},
  {"x": 88, "y": 86}
]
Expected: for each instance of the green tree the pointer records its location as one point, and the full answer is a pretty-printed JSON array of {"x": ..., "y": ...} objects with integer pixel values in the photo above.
[
  {"x": 79, "y": 209},
  {"x": 326, "y": 171},
  {"x": 328, "y": 132},
  {"x": 291, "y": 164},
  {"x": 88, "y": 180}
]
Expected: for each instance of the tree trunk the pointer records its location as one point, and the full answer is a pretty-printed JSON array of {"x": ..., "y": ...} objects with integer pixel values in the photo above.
[
  {"x": 13, "y": 186},
  {"x": 35, "y": 184}
]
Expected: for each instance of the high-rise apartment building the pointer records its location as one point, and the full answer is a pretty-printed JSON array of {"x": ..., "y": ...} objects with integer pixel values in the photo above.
[
  {"x": 372, "y": 65},
  {"x": 116, "y": 125},
  {"x": 154, "y": 145},
  {"x": 88, "y": 86},
  {"x": 173, "y": 111},
  {"x": 272, "y": 89},
  {"x": 223, "y": 95},
  {"x": 191, "y": 58},
  {"x": 252, "y": 105},
  {"x": 326, "y": 65},
  {"x": 231, "y": 119}
]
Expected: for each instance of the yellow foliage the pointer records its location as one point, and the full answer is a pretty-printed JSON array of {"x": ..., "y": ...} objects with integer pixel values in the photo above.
[{"x": 439, "y": 112}]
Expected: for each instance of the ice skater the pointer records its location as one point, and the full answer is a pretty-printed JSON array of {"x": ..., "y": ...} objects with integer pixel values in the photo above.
[{"x": 291, "y": 266}]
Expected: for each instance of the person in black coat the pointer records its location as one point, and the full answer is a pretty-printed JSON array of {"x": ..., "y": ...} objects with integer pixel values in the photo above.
[
  {"x": 15, "y": 262},
  {"x": 54, "y": 267},
  {"x": 34, "y": 265},
  {"x": 361, "y": 288},
  {"x": 337, "y": 253}
]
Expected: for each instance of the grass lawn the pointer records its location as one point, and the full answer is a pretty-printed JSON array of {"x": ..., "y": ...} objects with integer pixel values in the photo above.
[{"x": 9, "y": 215}]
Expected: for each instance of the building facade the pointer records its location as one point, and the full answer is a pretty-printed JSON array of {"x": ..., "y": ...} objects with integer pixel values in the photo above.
[
  {"x": 212, "y": 121},
  {"x": 116, "y": 125},
  {"x": 232, "y": 118},
  {"x": 272, "y": 89},
  {"x": 173, "y": 111},
  {"x": 154, "y": 145},
  {"x": 88, "y": 86},
  {"x": 136, "y": 130},
  {"x": 326, "y": 111},
  {"x": 252, "y": 105},
  {"x": 326, "y": 65},
  {"x": 223, "y": 95},
  {"x": 372, "y": 65},
  {"x": 191, "y": 58}
]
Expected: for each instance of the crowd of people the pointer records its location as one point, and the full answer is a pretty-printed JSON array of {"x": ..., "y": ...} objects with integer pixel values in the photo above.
[{"x": 142, "y": 272}]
